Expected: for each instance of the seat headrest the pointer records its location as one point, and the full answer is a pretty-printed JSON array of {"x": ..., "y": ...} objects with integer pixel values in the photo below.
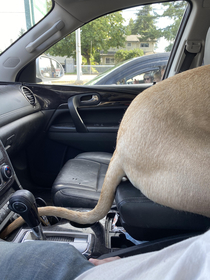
[{"x": 206, "y": 58}]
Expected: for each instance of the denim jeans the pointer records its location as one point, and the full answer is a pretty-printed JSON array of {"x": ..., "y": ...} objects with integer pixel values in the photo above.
[{"x": 41, "y": 260}]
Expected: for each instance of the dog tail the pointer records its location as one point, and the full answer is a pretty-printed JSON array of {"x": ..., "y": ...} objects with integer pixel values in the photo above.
[{"x": 112, "y": 179}]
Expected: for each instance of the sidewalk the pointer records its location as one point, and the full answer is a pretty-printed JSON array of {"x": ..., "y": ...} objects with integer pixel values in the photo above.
[{"x": 72, "y": 79}]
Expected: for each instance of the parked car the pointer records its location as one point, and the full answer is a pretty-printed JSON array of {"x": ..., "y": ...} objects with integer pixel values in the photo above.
[
  {"x": 57, "y": 140},
  {"x": 133, "y": 71}
]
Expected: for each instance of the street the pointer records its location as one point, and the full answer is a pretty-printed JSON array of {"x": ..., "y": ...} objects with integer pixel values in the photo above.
[{"x": 72, "y": 79}]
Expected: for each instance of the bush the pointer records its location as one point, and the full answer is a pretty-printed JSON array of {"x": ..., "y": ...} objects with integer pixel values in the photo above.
[{"x": 123, "y": 55}]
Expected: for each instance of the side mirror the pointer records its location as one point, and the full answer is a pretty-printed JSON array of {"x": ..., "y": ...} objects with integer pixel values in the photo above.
[{"x": 48, "y": 69}]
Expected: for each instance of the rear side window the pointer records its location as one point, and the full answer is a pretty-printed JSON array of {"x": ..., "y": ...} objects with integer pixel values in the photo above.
[{"x": 127, "y": 47}]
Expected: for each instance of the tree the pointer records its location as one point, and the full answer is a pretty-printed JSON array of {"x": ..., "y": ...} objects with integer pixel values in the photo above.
[
  {"x": 145, "y": 24},
  {"x": 123, "y": 55},
  {"x": 130, "y": 27},
  {"x": 49, "y": 5},
  {"x": 22, "y": 31},
  {"x": 173, "y": 11},
  {"x": 100, "y": 34},
  {"x": 169, "y": 47},
  {"x": 65, "y": 47}
]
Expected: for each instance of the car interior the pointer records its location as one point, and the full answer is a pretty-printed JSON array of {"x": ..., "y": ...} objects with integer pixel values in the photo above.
[{"x": 56, "y": 141}]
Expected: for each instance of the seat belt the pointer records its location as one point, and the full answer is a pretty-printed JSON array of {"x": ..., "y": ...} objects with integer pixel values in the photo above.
[{"x": 192, "y": 48}]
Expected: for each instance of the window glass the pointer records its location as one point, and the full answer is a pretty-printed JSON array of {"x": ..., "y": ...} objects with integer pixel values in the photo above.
[
  {"x": 144, "y": 45},
  {"x": 128, "y": 46},
  {"x": 109, "y": 60},
  {"x": 18, "y": 16}
]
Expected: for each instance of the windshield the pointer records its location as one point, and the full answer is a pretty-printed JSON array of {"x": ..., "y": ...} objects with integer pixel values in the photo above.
[{"x": 18, "y": 16}]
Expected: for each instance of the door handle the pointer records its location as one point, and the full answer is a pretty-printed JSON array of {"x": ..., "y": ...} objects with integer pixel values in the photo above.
[
  {"x": 92, "y": 101},
  {"x": 76, "y": 101},
  {"x": 73, "y": 103}
]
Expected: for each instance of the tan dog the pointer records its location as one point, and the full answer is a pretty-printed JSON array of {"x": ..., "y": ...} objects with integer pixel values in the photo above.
[{"x": 163, "y": 147}]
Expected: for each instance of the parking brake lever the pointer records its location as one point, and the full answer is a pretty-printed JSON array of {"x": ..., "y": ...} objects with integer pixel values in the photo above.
[{"x": 23, "y": 203}]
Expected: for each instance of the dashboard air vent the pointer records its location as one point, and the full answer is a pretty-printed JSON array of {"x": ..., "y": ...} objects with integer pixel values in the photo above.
[{"x": 29, "y": 95}]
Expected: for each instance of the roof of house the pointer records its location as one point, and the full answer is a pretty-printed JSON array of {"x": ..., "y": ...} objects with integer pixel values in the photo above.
[
  {"x": 135, "y": 38},
  {"x": 132, "y": 38},
  {"x": 107, "y": 53}
]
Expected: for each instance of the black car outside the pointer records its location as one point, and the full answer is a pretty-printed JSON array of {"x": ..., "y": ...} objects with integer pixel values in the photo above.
[{"x": 133, "y": 71}]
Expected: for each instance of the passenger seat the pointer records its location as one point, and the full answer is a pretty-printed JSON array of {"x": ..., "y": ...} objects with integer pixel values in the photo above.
[{"x": 80, "y": 180}]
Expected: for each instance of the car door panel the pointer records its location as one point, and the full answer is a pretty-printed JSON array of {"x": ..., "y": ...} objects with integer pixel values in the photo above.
[
  {"x": 90, "y": 121},
  {"x": 101, "y": 129}
]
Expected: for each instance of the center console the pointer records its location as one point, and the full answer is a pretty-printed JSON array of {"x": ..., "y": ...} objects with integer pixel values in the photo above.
[
  {"x": 61, "y": 232},
  {"x": 8, "y": 185},
  {"x": 83, "y": 242}
]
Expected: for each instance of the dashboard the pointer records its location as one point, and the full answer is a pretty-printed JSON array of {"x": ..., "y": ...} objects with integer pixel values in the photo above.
[{"x": 20, "y": 119}]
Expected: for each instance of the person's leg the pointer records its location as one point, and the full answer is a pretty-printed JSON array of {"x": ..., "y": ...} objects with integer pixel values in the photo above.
[{"x": 41, "y": 260}]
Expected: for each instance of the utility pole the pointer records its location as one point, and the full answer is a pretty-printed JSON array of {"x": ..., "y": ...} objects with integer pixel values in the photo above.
[
  {"x": 27, "y": 14},
  {"x": 78, "y": 55}
]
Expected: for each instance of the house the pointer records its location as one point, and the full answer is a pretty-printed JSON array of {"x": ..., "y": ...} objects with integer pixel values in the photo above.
[{"x": 132, "y": 42}]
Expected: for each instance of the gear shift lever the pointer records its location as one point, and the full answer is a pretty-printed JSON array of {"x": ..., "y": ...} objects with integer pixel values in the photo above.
[{"x": 23, "y": 203}]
